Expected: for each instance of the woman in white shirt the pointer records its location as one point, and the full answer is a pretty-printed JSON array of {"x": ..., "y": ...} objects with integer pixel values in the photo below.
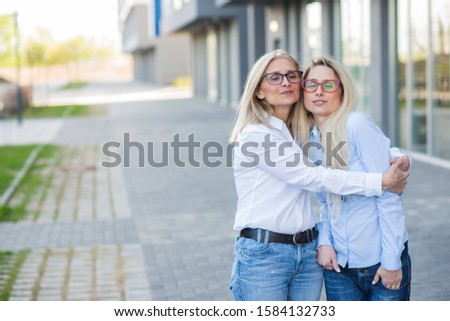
[{"x": 275, "y": 253}]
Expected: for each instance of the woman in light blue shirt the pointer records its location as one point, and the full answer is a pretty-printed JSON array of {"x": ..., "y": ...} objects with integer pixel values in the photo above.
[{"x": 362, "y": 239}]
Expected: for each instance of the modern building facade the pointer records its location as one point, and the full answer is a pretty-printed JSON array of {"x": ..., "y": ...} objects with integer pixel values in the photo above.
[
  {"x": 156, "y": 59},
  {"x": 221, "y": 45},
  {"x": 397, "y": 50}
]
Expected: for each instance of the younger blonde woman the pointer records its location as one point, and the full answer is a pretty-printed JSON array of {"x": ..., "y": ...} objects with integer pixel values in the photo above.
[{"x": 363, "y": 242}]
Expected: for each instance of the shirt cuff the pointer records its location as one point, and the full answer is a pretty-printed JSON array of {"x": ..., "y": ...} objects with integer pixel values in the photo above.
[
  {"x": 374, "y": 184},
  {"x": 395, "y": 152},
  {"x": 391, "y": 262},
  {"x": 323, "y": 239}
]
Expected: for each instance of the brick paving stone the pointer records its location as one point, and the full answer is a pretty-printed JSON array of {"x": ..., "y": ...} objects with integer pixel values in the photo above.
[
  {"x": 75, "y": 273},
  {"x": 21, "y": 295}
]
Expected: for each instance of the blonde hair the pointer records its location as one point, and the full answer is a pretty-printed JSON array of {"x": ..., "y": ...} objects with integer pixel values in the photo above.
[
  {"x": 336, "y": 122},
  {"x": 251, "y": 109}
]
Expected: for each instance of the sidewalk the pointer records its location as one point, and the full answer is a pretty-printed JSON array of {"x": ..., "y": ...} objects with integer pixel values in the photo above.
[
  {"x": 166, "y": 233},
  {"x": 79, "y": 236},
  {"x": 108, "y": 92},
  {"x": 30, "y": 131}
]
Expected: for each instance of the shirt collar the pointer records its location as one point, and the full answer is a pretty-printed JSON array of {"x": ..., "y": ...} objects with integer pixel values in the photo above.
[
  {"x": 314, "y": 132},
  {"x": 275, "y": 122}
]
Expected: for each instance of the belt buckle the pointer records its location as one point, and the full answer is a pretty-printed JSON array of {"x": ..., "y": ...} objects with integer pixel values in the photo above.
[
  {"x": 309, "y": 236},
  {"x": 294, "y": 238}
]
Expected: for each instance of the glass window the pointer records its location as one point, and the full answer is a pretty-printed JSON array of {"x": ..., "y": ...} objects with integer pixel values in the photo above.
[
  {"x": 412, "y": 49},
  {"x": 440, "y": 44},
  {"x": 313, "y": 30},
  {"x": 355, "y": 35},
  {"x": 424, "y": 76},
  {"x": 403, "y": 58},
  {"x": 418, "y": 34}
]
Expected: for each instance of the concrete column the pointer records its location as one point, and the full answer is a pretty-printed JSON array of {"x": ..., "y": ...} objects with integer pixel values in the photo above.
[
  {"x": 330, "y": 27},
  {"x": 200, "y": 72},
  {"x": 224, "y": 64},
  {"x": 256, "y": 30},
  {"x": 236, "y": 62},
  {"x": 252, "y": 35},
  {"x": 383, "y": 86},
  {"x": 293, "y": 27},
  {"x": 212, "y": 64}
]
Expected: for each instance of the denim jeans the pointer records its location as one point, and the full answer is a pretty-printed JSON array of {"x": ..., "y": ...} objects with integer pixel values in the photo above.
[
  {"x": 264, "y": 271},
  {"x": 355, "y": 284}
]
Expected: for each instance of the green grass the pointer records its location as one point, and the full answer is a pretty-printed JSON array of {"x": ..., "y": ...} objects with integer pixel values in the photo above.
[
  {"x": 30, "y": 184},
  {"x": 12, "y": 159},
  {"x": 64, "y": 111},
  {"x": 73, "y": 85},
  {"x": 82, "y": 110}
]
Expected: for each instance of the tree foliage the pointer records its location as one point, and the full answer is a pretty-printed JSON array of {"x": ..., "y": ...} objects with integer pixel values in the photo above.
[
  {"x": 7, "y": 40},
  {"x": 43, "y": 50}
]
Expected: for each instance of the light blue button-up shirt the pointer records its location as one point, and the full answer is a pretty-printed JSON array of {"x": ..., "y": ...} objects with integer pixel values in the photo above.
[{"x": 368, "y": 230}]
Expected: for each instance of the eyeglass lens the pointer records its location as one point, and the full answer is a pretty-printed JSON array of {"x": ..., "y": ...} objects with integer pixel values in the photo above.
[
  {"x": 276, "y": 78},
  {"x": 327, "y": 85}
]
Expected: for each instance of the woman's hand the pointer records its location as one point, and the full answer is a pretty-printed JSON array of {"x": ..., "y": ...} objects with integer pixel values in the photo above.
[
  {"x": 395, "y": 179},
  {"x": 405, "y": 165},
  {"x": 390, "y": 279},
  {"x": 326, "y": 257}
]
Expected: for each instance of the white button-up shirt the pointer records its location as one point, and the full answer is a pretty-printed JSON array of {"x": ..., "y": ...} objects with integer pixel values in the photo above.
[{"x": 273, "y": 179}]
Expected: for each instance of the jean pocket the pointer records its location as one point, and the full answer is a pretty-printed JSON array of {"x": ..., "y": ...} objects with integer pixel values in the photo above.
[{"x": 250, "y": 247}]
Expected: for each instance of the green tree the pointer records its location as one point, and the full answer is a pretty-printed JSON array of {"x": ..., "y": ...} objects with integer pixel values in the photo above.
[
  {"x": 7, "y": 40},
  {"x": 35, "y": 53},
  {"x": 78, "y": 49},
  {"x": 43, "y": 50}
]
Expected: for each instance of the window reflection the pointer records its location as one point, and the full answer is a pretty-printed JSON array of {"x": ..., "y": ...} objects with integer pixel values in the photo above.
[
  {"x": 424, "y": 75},
  {"x": 313, "y": 29},
  {"x": 403, "y": 58},
  {"x": 413, "y": 43},
  {"x": 418, "y": 34},
  {"x": 440, "y": 40},
  {"x": 355, "y": 26}
]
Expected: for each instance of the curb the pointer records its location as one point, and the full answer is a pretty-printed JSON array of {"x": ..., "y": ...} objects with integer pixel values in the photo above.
[{"x": 7, "y": 195}]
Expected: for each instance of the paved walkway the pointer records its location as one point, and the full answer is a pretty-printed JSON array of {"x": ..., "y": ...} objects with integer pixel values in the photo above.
[
  {"x": 147, "y": 233},
  {"x": 30, "y": 131},
  {"x": 78, "y": 240}
]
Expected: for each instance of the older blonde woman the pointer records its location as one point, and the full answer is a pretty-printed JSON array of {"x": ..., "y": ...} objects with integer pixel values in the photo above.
[
  {"x": 363, "y": 242},
  {"x": 275, "y": 253}
]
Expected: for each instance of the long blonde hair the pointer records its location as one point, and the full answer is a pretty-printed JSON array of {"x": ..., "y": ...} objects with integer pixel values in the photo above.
[
  {"x": 333, "y": 131},
  {"x": 251, "y": 109}
]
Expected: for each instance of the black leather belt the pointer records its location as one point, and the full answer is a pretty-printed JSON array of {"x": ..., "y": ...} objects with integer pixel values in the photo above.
[{"x": 297, "y": 238}]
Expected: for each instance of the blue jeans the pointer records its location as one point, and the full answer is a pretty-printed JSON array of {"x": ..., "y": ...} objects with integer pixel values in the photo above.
[
  {"x": 356, "y": 284},
  {"x": 264, "y": 271}
]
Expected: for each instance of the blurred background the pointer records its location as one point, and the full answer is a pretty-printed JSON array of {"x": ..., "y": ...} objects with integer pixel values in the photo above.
[
  {"x": 76, "y": 74},
  {"x": 55, "y": 43}
]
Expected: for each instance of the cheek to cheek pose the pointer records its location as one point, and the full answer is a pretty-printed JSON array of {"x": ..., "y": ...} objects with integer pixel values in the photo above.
[{"x": 275, "y": 255}]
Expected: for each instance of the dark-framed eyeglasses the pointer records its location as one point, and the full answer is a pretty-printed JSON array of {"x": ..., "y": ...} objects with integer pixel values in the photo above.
[
  {"x": 276, "y": 78},
  {"x": 328, "y": 85}
]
